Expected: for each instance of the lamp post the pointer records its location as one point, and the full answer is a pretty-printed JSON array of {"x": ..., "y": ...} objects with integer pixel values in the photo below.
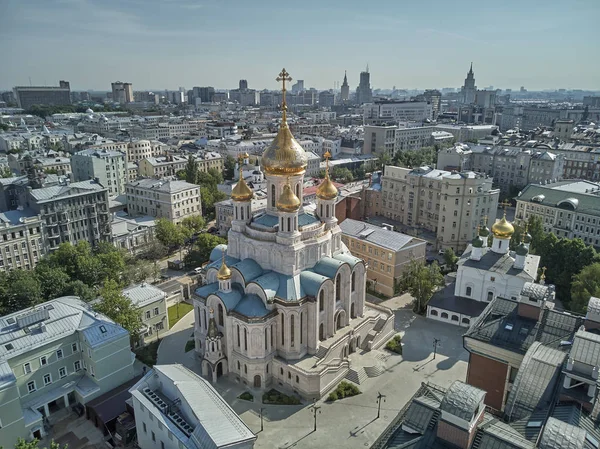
[
  {"x": 436, "y": 341},
  {"x": 379, "y": 398},
  {"x": 261, "y": 418},
  {"x": 314, "y": 409}
]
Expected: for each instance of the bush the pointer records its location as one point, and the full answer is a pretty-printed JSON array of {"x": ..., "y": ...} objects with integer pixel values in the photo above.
[
  {"x": 246, "y": 396},
  {"x": 343, "y": 390},
  {"x": 147, "y": 354},
  {"x": 395, "y": 344},
  {"x": 277, "y": 397},
  {"x": 190, "y": 345}
]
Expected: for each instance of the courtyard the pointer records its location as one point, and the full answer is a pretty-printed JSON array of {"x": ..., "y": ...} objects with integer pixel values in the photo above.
[{"x": 350, "y": 422}]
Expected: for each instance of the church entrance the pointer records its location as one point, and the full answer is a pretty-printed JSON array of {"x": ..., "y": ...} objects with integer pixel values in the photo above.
[
  {"x": 219, "y": 369},
  {"x": 339, "y": 322},
  {"x": 257, "y": 381},
  {"x": 321, "y": 332}
]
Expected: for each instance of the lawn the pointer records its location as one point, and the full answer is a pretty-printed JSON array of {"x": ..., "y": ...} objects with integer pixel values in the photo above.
[
  {"x": 182, "y": 308},
  {"x": 276, "y": 397},
  {"x": 343, "y": 390},
  {"x": 147, "y": 354}
]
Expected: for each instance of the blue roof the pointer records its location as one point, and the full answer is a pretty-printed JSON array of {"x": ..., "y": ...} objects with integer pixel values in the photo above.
[
  {"x": 290, "y": 288},
  {"x": 328, "y": 266},
  {"x": 267, "y": 220},
  {"x": 305, "y": 219},
  {"x": 311, "y": 282},
  {"x": 269, "y": 282},
  {"x": 217, "y": 252},
  {"x": 230, "y": 261},
  {"x": 249, "y": 269},
  {"x": 207, "y": 289},
  {"x": 251, "y": 306},
  {"x": 232, "y": 298},
  {"x": 348, "y": 258}
]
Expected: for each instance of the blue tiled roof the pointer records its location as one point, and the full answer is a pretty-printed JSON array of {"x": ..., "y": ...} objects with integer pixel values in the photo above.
[
  {"x": 251, "y": 306},
  {"x": 305, "y": 219},
  {"x": 207, "y": 289},
  {"x": 249, "y": 269},
  {"x": 267, "y": 220},
  {"x": 290, "y": 288},
  {"x": 232, "y": 298},
  {"x": 230, "y": 261},
  {"x": 217, "y": 252},
  {"x": 348, "y": 258},
  {"x": 311, "y": 282},
  {"x": 269, "y": 282},
  {"x": 328, "y": 266}
]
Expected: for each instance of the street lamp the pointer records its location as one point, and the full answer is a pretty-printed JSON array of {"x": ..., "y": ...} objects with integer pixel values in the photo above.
[
  {"x": 379, "y": 398},
  {"x": 314, "y": 409},
  {"x": 436, "y": 341}
]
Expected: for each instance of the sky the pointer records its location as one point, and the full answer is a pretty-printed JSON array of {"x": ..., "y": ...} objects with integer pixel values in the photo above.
[{"x": 165, "y": 44}]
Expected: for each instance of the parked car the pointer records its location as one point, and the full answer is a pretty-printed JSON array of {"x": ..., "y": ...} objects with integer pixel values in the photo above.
[{"x": 441, "y": 252}]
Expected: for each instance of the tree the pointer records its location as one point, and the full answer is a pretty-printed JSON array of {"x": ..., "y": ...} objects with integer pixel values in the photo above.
[
  {"x": 136, "y": 271},
  {"x": 119, "y": 308},
  {"x": 450, "y": 259},
  {"x": 201, "y": 249},
  {"x": 342, "y": 174},
  {"x": 191, "y": 170},
  {"x": 54, "y": 282},
  {"x": 383, "y": 159},
  {"x": 33, "y": 444},
  {"x": 420, "y": 281},
  {"x": 229, "y": 167},
  {"x": 168, "y": 233},
  {"x": 586, "y": 284},
  {"x": 19, "y": 289},
  {"x": 6, "y": 172},
  {"x": 195, "y": 223},
  {"x": 84, "y": 291}
]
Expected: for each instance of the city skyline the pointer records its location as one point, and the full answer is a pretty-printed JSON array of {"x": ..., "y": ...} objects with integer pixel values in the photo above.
[{"x": 171, "y": 43}]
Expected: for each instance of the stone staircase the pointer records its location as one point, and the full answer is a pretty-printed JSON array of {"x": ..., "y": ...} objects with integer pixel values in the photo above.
[
  {"x": 322, "y": 351},
  {"x": 357, "y": 375}
]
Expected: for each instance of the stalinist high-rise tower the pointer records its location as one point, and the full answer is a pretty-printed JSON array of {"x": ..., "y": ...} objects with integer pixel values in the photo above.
[
  {"x": 469, "y": 89},
  {"x": 345, "y": 94}
]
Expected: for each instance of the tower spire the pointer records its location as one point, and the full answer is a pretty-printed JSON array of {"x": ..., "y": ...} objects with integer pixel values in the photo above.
[
  {"x": 471, "y": 69},
  {"x": 283, "y": 77}
]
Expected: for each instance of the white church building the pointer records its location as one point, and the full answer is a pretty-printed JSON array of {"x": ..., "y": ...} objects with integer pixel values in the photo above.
[
  {"x": 484, "y": 273},
  {"x": 284, "y": 301}
]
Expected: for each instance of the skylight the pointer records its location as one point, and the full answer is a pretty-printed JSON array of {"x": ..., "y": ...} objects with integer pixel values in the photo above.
[
  {"x": 508, "y": 326},
  {"x": 11, "y": 321},
  {"x": 9, "y": 347},
  {"x": 103, "y": 329}
]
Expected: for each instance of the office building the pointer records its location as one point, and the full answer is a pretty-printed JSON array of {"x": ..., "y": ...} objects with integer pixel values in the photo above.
[
  {"x": 175, "y": 408},
  {"x": 298, "y": 86},
  {"x": 27, "y": 96},
  {"x": 22, "y": 242},
  {"x": 173, "y": 200},
  {"x": 450, "y": 204},
  {"x": 151, "y": 302},
  {"x": 364, "y": 94},
  {"x": 122, "y": 93},
  {"x": 107, "y": 166},
  {"x": 385, "y": 252},
  {"x": 53, "y": 356},
  {"x": 390, "y": 112}
]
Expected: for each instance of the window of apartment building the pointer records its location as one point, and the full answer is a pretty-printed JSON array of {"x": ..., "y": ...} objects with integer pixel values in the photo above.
[
  {"x": 77, "y": 365},
  {"x": 155, "y": 311},
  {"x": 47, "y": 379},
  {"x": 62, "y": 372},
  {"x": 147, "y": 314},
  {"x": 27, "y": 368},
  {"x": 453, "y": 224},
  {"x": 31, "y": 386},
  {"x": 59, "y": 354},
  {"x": 456, "y": 201},
  {"x": 153, "y": 437},
  {"x": 453, "y": 236},
  {"x": 92, "y": 372},
  {"x": 145, "y": 428},
  {"x": 89, "y": 352},
  {"x": 43, "y": 361},
  {"x": 74, "y": 347}
]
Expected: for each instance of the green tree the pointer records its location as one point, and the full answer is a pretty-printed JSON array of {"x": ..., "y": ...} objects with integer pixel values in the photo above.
[
  {"x": 119, "y": 309},
  {"x": 229, "y": 167},
  {"x": 195, "y": 223},
  {"x": 586, "y": 284},
  {"x": 383, "y": 159},
  {"x": 209, "y": 196},
  {"x": 450, "y": 259},
  {"x": 342, "y": 174},
  {"x": 54, "y": 282},
  {"x": 191, "y": 170},
  {"x": 34, "y": 444},
  {"x": 19, "y": 289},
  {"x": 84, "y": 291},
  {"x": 6, "y": 172},
  {"x": 201, "y": 249},
  {"x": 421, "y": 281},
  {"x": 168, "y": 233}
]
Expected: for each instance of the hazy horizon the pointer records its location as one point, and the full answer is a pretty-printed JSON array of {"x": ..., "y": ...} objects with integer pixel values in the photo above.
[{"x": 165, "y": 44}]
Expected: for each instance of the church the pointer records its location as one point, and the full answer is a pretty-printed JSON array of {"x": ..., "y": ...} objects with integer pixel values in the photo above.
[
  {"x": 283, "y": 303},
  {"x": 484, "y": 273}
]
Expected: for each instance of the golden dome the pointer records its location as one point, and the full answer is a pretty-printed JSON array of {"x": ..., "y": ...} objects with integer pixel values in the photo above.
[
  {"x": 285, "y": 156},
  {"x": 288, "y": 201},
  {"x": 224, "y": 272},
  {"x": 241, "y": 191},
  {"x": 327, "y": 191},
  {"x": 502, "y": 228}
]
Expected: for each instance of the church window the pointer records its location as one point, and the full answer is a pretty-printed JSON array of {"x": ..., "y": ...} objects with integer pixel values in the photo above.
[
  {"x": 321, "y": 302},
  {"x": 245, "y": 369},
  {"x": 490, "y": 296},
  {"x": 468, "y": 292},
  {"x": 221, "y": 321},
  {"x": 272, "y": 195},
  {"x": 338, "y": 287},
  {"x": 205, "y": 319},
  {"x": 298, "y": 190},
  {"x": 245, "y": 339},
  {"x": 236, "y": 213},
  {"x": 239, "y": 366},
  {"x": 499, "y": 244},
  {"x": 292, "y": 318},
  {"x": 281, "y": 371},
  {"x": 282, "y": 330},
  {"x": 444, "y": 315},
  {"x": 242, "y": 212},
  {"x": 327, "y": 210},
  {"x": 266, "y": 340},
  {"x": 321, "y": 210},
  {"x": 200, "y": 322},
  {"x": 434, "y": 313},
  {"x": 289, "y": 228},
  {"x": 353, "y": 281},
  {"x": 301, "y": 325},
  {"x": 272, "y": 335},
  {"x": 297, "y": 379},
  {"x": 212, "y": 347},
  {"x": 238, "y": 335}
]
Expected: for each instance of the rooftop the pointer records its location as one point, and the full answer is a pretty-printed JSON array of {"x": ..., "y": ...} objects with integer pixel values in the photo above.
[
  {"x": 501, "y": 263},
  {"x": 163, "y": 186},
  {"x": 65, "y": 191},
  {"x": 375, "y": 235},
  {"x": 143, "y": 294}
]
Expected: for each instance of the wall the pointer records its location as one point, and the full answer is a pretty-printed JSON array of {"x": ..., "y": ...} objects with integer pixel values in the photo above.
[{"x": 489, "y": 375}]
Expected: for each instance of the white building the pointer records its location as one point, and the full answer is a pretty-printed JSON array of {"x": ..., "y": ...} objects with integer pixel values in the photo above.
[
  {"x": 151, "y": 303},
  {"x": 175, "y": 409},
  {"x": 388, "y": 111},
  {"x": 284, "y": 303},
  {"x": 108, "y": 166},
  {"x": 485, "y": 273}
]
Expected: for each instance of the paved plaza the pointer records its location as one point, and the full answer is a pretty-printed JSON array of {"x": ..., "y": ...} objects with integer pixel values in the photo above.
[{"x": 351, "y": 422}]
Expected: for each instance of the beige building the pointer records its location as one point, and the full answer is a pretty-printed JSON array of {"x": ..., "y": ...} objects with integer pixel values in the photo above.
[
  {"x": 450, "y": 204},
  {"x": 21, "y": 240},
  {"x": 209, "y": 159},
  {"x": 162, "y": 166},
  {"x": 385, "y": 252},
  {"x": 173, "y": 200},
  {"x": 109, "y": 167},
  {"x": 152, "y": 305}
]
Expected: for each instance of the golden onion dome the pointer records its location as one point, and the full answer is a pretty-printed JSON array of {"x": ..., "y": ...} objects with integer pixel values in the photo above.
[
  {"x": 284, "y": 156},
  {"x": 288, "y": 201},
  {"x": 502, "y": 228},
  {"x": 224, "y": 272},
  {"x": 327, "y": 191},
  {"x": 241, "y": 191}
]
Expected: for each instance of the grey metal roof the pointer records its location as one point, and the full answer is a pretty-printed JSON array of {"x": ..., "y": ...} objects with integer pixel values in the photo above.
[
  {"x": 14, "y": 217},
  {"x": 63, "y": 191},
  {"x": 574, "y": 414},
  {"x": 462, "y": 400},
  {"x": 163, "y": 186},
  {"x": 535, "y": 291},
  {"x": 143, "y": 294},
  {"x": 555, "y": 193},
  {"x": 419, "y": 414},
  {"x": 495, "y": 434},
  {"x": 586, "y": 348},
  {"x": 560, "y": 435},
  {"x": 375, "y": 235},
  {"x": 594, "y": 305},
  {"x": 445, "y": 299},
  {"x": 501, "y": 263},
  {"x": 534, "y": 385}
]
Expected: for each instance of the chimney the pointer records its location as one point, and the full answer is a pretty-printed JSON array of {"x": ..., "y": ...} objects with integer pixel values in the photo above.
[
  {"x": 533, "y": 298},
  {"x": 592, "y": 317},
  {"x": 462, "y": 410}
]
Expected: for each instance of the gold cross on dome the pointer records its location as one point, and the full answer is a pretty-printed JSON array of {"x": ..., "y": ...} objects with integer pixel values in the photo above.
[
  {"x": 504, "y": 205},
  {"x": 283, "y": 77},
  {"x": 327, "y": 156}
]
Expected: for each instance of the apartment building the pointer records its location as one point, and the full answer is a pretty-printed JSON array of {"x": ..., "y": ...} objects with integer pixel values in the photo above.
[
  {"x": 387, "y": 111},
  {"x": 173, "y": 200},
  {"x": 386, "y": 253},
  {"x": 21, "y": 239},
  {"x": 209, "y": 159},
  {"x": 569, "y": 209},
  {"x": 132, "y": 234},
  {"x": 174, "y": 408},
  {"x": 142, "y": 149},
  {"x": 53, "y": 356},
  {"x": 450, "y": 204},
  {"x": 28, "y": 96},
  {"x": 108, "y": 166},
  {"x": 380, "y": 139},
  {"x": 152, "y": 305},
  {"x": 161, "y": 166}
]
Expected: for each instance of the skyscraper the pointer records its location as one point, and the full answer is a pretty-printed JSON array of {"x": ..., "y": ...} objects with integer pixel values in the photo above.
[
  {"x": 469, "y": 89},
  {"x": 122, "y": 92},
  {"x": 345, "y": 94},
  {"x": 243, "y": 84},
  {"x": 364, "y": 94}
]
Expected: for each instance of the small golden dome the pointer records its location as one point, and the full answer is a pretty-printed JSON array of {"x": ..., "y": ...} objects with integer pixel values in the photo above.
[
  {"x": 224, "y": 272},
  {"x": 241, "y": 191},
  {"x": 288, "y": 201},
  {"x": 327, "y": 191},
  {"x": 502, "y": 228}
]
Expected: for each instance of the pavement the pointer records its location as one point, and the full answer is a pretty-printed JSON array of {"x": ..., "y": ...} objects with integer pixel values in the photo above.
[{"x": 350, "y": 422}]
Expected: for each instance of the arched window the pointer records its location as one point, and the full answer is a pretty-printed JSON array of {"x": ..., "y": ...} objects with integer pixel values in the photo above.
[
  {"x": 468, "y": 292},
  {"x": 292, "y": 329},
  {"x": 204, "y": 318},
  {"x": 338, "y": 287},
  {"x": 297, "y": 379},
  {"x": 298, "y": 190},
  {"x": 239, "y": 366},
  {"x": 289, "y": 228},
  {"x": 266, "y": 340},
  {"x": 281, "y": 371},
  {"x": 199, "y": 316},
  {"x": 321, "y": 302},
  {"x": 236, "y": 213},
  {"x": 273, "y": 195},
  {"x": 212, "y": 347},
  {"x": 289, "y": 375},
  {"x": 245, "y": 339},
  {"x": 327, "y": 210},
  {"x": 353, "y": 283},
  {"x": 221, "y": 320},
  {"x": 434, "y": 313},
  {"x": 499, "y": 244},
  {"x": 444, "y": 315},
  {"x": 272, "y": 332},
  {"x": 242, "y": 212},
  {"x": 245, "y": 369},
  {"x": 455, "y": 318},
  {"x": 490, "y": 296},
  {"x": 466, "y": 321},
  {"x": 282, "y": 330},
  {"x": 238, "y": 335},
  {"x": 267, "y": 368}
]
